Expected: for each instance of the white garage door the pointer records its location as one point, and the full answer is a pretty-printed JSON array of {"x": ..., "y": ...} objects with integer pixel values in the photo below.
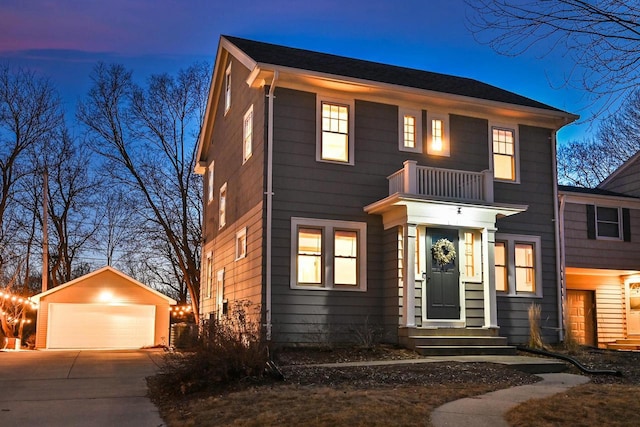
[{"x": 100, "y": 326}]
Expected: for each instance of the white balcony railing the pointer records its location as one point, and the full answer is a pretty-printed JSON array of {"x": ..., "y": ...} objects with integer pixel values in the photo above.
[{"x": 442, "y": 183}]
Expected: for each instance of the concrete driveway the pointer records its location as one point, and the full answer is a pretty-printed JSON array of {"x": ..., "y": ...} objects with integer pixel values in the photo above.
[{"x": 77, "y": 388}]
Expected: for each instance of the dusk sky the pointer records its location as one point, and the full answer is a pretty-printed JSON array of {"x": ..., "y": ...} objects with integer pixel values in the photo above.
[{"x": 63, "y": 39}]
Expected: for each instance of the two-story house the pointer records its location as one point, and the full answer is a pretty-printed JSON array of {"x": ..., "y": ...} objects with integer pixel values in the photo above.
[
  {"x": 601, "y": 251},
  {"x": 345, "y": 197}
]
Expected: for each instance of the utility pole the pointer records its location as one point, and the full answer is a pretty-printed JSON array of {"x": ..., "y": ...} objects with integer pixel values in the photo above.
[{"x": 45, "y": 237}]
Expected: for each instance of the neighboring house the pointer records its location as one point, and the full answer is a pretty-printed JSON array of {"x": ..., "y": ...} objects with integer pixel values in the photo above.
[
  {"x": 102, "y": 309},
  {"x": 331, "y": 182},
  {"x": 601, "y": 251}
]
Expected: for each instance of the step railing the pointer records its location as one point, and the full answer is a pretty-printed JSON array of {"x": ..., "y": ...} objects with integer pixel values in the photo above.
[{"x": 442, "y": 183}]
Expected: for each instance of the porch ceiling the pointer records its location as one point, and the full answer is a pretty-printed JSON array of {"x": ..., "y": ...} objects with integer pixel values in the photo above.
[{"x": 399, "y": 209}]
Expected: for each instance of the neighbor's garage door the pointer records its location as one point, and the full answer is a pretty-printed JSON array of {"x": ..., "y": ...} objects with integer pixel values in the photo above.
[{"x": 100, "y": 326}]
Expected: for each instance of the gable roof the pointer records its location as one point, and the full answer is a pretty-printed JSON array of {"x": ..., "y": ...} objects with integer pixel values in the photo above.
[
  {"x": 593, "y": 191},
  {"x": 36, "y": 298},
  {"x": 627, "y": 164},
  {"x": 267, "y": 53}
]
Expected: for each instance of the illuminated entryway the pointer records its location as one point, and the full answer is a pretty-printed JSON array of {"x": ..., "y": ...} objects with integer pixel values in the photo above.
[{"x": 633, "y": 309}]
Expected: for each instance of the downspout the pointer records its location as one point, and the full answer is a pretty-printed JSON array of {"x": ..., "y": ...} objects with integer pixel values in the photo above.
[
  {"x": 269, "y": 194},
  {"x": 558, "y": 220}
]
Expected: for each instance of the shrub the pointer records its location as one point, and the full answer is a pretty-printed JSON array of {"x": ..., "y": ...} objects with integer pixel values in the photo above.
[{"x": 229, "y": 349}]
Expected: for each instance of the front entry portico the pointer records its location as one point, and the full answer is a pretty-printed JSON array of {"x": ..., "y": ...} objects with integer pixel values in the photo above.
[{"x": 432, "y": 295}]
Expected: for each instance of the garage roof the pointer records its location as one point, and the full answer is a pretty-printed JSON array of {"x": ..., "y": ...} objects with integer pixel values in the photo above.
[{"x": 36, "y": 298}]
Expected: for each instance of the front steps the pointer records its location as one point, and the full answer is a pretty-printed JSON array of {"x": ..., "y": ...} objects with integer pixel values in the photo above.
[
  {"x": 627, "y": 344},
  {"x": 455, "y": 341}
]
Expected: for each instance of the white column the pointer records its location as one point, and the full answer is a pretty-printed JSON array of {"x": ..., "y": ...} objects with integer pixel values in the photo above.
[
  {"x": 489, "y": 277},
  {"x": 410, "y": 177},
  {"x": 409, "y": 279}
]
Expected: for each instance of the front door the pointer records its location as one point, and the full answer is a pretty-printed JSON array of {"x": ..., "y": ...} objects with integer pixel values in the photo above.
[{"x": 443, "y": 284}]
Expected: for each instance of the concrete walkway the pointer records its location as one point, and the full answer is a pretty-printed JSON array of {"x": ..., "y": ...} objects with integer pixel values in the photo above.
[
  {"x": 488, "y": 410},
  {"x": 77, "y": 388}
]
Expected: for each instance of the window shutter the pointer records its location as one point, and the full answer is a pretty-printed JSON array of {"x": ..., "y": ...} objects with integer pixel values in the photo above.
[
  {"x": 626, "y": 227},
  {"x": 591, "y": 222}
]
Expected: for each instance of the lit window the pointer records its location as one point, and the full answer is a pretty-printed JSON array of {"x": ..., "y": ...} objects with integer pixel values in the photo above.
[
  {"x": 227, "y": 89},
  {"x": 335, "y": 132},
  {"x": 410, "y": 126},
  {"x": 210, "y": 183},
  {"x": 309, "y": 256},
  {"x": 438, "y": 135},
  {"x": 517, "y": 265},
  {"x": 504, "y": 153},
  {"x": 247, "y": 135},
  {"x": 525, "y": 269},
  {"x": 223, "y": 206},
  {"x": 241, "y": 244},
  {"x": 340, "y": 263},
  {"x": 469, "y": 255},
  {"x": 345, "y": 257},
  {"x": 608, "y": 222},
  {"x": 501, "y": 266},
  {"x": 472, "y": 268}
]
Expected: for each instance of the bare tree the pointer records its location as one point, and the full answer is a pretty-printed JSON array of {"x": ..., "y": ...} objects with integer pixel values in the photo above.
[
  {"x": 72, "y": 204},
  {"x": 601, "y": 38},
  {"x": 588, "y": 162},
  {"x": 29, "y": 113},
  {"x": 148, "y": 135}
]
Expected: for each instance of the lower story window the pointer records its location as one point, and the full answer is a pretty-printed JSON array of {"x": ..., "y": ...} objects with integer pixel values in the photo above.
[
  {"x": 518, "y": 265},
  {"x": 328, "y": 254}
]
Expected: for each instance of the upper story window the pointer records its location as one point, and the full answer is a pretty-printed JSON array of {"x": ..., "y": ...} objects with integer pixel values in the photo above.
[
  {"x": 335, "y": 131},
  {"x": 328, "y": 254},
  {"x": 227, "y": 89},
  {"x": 210, "y": 183},
  {"x": 608, "y": 223},
  {"x": 504, "y": 149},
  {"x": 518, "y": 268},
  {"x": 247, "y": 135},
  {"x": 223, "y": 206},
  {"x": 410, "y": 130},
  {"x": 241, "y": 243},
  {"x": 438, "y": 135}
]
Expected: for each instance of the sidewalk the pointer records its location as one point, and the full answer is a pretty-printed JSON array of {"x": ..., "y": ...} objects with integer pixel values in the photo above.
[{"x": 488, "y": 410}]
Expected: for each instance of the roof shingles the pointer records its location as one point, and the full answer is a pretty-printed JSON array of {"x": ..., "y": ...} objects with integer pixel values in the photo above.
[{"x": 283, "y": 56}]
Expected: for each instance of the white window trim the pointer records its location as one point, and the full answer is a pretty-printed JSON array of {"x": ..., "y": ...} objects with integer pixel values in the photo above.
[
  {"x": 350, "y": 103},
  {"x": 222, "y": 210},
  {"x": 227, "y": 89},
  {"x": 511, "y": 240},
  {"x": 246, "y": 155},
  {"x": 418, "y": 115},
  {"x": 328, "y": 227},
  {"x": 516, "y": 149},
  {"x": 209, "y": 274},
  {"x": 241, "y": 252},
  {"x": 210, "y": 183},
  {"x": 446, "y": 148},
  {"x": 620, "y": 225},
  {"x": 220, "y": 291},
  {"x": 477, "y": 256}
]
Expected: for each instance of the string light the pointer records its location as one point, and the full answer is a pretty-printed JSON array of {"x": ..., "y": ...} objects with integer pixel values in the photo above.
[
  {"x": 180, "y": 310},
  {"x": 18, "y": 299}
]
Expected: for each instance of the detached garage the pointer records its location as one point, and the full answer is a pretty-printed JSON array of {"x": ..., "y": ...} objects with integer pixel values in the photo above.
[{"x": 104, "y": 309}]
